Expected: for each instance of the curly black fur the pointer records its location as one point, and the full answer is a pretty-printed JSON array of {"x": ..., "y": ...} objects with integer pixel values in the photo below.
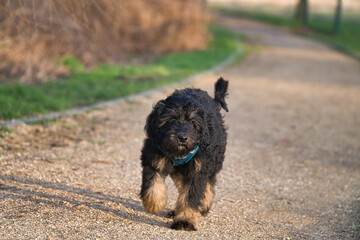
[{"x": 176, "y": 125}]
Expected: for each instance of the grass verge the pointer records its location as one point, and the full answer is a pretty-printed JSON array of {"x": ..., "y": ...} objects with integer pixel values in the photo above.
[
  {"x": 108, "y": 81},
  {"x": 320, "y": 26}
]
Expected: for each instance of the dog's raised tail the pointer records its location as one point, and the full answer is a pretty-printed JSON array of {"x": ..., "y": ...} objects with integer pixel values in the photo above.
[{"x": 221, "y": 88}]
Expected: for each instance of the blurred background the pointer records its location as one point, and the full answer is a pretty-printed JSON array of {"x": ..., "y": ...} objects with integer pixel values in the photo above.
[
  {"x": 318, "y": 5},
  {"x": 334, "y": 21},
  {"x": 34, "y": 32},
  {"x": 59, "y": 54}
]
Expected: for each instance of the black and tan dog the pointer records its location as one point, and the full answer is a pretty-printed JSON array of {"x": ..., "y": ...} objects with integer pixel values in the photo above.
[{"x": 186, "y": 139}]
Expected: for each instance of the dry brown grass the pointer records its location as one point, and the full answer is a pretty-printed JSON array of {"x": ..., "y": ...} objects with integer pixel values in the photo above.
[{"x": 35, "y": 32}]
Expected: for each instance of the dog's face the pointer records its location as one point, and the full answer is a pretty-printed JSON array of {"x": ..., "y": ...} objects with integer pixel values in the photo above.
[{"x": 176, "y": 127}]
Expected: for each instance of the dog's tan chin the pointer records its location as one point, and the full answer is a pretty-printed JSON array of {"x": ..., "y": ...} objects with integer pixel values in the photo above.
[{"x": 181, "y": 148}]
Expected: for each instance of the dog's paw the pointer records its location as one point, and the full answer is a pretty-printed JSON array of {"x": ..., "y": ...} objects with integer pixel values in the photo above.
[
  {"x": 170, "y": 214},
  {"x": 183, "y": 225}
]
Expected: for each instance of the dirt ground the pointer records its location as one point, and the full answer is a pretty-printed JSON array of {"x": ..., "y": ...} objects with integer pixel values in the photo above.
[{"x": 292, "y": 167}]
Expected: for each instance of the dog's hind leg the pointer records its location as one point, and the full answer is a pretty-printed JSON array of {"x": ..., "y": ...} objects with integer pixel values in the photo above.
[{"x": 153, "y": 190}]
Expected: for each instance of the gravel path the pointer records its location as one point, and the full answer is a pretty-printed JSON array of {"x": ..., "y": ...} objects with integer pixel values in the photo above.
[{"x": 292, "y": 167}]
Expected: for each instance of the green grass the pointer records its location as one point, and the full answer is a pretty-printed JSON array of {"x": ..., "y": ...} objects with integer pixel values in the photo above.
[
  {"x": 4, "y": 131},
  {"x": 110, "y": 81},
  {"x": 72, "y": 63},
  {"x": 349, "y": 36},
  {"x": 320, "y": 25}
]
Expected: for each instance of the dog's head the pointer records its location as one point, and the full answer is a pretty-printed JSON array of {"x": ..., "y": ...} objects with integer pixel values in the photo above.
[{"x": 176, "y": 126}]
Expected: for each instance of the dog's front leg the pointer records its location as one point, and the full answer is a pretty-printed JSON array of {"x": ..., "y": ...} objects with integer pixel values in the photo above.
[
  {"x": 189, "y": 204},
  {"x": 153, "y": 190}
]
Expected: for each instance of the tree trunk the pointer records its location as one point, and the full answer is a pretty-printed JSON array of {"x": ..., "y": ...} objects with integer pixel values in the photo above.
[
  {"x": 337, "y": 18},
  {"x": 302, "y": 12}
]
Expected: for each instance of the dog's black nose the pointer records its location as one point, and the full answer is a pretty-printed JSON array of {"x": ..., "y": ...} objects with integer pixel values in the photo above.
[{"x": 182, "y": 138}]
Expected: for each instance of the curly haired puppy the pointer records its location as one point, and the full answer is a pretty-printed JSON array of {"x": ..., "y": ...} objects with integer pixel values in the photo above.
[{"x": 186, "y": 139}]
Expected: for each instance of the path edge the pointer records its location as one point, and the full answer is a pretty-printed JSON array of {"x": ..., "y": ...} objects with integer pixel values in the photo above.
[{"x": 74, "y": 111}]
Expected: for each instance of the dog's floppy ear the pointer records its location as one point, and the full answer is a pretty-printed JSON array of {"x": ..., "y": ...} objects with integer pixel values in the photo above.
[
  {"x": 153, "y": 118},
  {"x": 204, "y": 130},
  {"x": 160, "y": 104}
]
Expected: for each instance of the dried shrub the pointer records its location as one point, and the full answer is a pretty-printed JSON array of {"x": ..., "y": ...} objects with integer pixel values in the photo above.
[{"x": 34, "y": 33}]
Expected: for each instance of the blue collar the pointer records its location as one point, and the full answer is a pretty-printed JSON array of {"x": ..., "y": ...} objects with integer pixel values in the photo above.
[{"x": 177, "y": 161}]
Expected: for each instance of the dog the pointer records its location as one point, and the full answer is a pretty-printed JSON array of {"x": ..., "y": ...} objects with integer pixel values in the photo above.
[{"x": 186, "y": 139}]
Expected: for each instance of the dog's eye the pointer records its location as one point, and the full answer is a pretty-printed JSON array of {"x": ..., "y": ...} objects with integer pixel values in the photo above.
[
  {"x": 164, "y": 121},
  {"x": 170, "y": 120}
]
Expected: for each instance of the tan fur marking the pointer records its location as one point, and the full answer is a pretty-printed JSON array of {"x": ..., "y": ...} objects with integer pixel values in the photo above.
[
  {"x": 182, "y": 199},
  {"x": 187, "y": 214},
  {"x": 183, "y": 192},
  {"x": 160, "y": 164},
  {"x": 197, "y": 164},
  {"x": 177, "y": 179},
  {"x": 209, "y": 197},
  {"x": 155, "y": 197}
]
